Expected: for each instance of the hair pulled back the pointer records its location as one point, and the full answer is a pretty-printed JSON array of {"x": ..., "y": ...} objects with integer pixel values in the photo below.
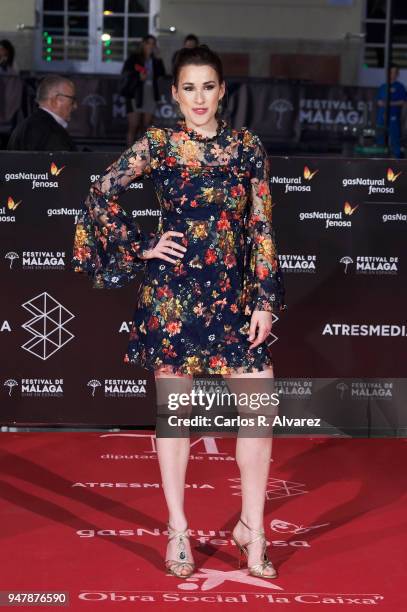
[
  {"x": 9, "y": 47},
  {"x": 197, "y": 56}
]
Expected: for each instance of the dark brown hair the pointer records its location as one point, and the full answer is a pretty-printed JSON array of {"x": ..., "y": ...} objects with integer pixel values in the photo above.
[
  {"x": 6, "y": 44},
  {"x": 191, "y": 37},
  {"x": 144, "y": 40},
  {"x": 197, "y": 56}
]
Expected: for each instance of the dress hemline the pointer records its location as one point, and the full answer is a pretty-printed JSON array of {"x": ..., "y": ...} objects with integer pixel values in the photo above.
[{"x": 184, "y": 369}]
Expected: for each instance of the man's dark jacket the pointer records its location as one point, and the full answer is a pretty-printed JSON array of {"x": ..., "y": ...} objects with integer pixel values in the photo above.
[
  {"x": 137, "y": 85},
  {"x": 40, "y": 132}
]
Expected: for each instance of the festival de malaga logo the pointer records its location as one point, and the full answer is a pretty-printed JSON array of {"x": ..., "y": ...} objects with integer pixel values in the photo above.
[
  {"x": 298, "y": 263},
  {"x": 119, "y": 387},
  {"x": 37, "y": 260},
  {"x": 370, "y": 264}
]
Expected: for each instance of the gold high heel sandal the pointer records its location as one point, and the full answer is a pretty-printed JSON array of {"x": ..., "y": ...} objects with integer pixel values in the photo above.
[
  {"x": 173, "y": 566},
  {"x": 258, "y": 568}
]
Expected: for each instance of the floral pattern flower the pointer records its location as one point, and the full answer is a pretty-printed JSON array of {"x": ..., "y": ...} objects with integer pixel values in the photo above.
[{"x": 192, "y": 316}]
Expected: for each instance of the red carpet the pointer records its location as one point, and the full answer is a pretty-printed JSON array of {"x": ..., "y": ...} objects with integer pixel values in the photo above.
[{"x": 336, "y": 514}]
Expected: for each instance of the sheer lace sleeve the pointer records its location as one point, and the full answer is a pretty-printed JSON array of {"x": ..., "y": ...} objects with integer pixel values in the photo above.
[
  {"x": 108, "y": 242},
  {"x": 264, "y": 282}
]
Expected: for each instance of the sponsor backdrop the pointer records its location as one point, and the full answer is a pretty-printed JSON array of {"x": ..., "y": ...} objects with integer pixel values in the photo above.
[
  {"x": 279, "y": 111},
  {"x": 341, "y": 230}
]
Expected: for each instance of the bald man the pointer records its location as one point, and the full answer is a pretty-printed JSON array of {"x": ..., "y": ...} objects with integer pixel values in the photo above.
[{"x": 46, "y": 128}]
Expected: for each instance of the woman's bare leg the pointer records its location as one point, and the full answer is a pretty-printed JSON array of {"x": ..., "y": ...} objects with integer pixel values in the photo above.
[
  {"x": 133, "y": 121},
  {"x": 173, "y": 455},
  {"x": 147, "y": 120},
  {"x": 253, "y": 457}
]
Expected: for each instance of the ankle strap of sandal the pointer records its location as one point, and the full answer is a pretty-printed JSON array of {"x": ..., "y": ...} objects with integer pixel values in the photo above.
[
  {"x": 260, "y": 533},
  {"x": 174, "y": 533}
]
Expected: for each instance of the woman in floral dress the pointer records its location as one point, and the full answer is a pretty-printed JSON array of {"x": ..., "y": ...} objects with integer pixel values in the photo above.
[{"x": 211, "y": 276}]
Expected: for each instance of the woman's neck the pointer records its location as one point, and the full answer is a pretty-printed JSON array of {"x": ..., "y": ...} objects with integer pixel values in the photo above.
[{"x": 204, "y": 130}]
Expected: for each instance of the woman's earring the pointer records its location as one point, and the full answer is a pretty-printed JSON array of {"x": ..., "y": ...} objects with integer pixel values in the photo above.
[
  {"x": 220, "y": 107},
  {"x": 177, "y": 106}
]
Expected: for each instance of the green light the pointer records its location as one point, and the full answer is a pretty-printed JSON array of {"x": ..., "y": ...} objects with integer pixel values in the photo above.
[
  {"x": 107, "y": 43},
  {"x": 45, "y": 34},
  {"x": 49, "y": 40},
  {"x": 108, "y": 52},
  {"x": 49, "y": 58},
  {"x": 49, "y": 49}
]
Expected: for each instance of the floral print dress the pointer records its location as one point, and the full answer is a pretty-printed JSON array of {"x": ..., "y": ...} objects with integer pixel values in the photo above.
[{"x": 192, "y": 316}]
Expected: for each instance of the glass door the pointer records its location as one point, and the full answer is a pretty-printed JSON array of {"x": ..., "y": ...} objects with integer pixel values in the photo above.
[
  {"x": 375, "y": 26},
  {"x": 121, "y": 26},
  {"x": 93, "y": 36},
  {"x": 64, "y": 40}
]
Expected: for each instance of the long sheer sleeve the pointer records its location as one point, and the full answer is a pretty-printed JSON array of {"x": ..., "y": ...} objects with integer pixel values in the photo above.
[
  {"x": 264, "y": 281},
  {"x": 108, "y": 242}
]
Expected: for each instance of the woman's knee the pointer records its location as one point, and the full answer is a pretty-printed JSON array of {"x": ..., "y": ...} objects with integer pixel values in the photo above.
[
  {"x": 266, "y": 373},
  {"x": 168, "y": 372}
]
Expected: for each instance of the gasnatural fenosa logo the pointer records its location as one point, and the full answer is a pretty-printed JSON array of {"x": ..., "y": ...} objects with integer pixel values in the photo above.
[
  {"x": 332, "y": 219},
  {"x": 308, "y": 174},
  {"x": 5, "y": 211},
  {"x": 296, "y": 183},
  {"x": 374, "y": 185},
  {"x": 348, "y": 209},
  {"x": 44, "y": 180},
  {"x": 55, "y": 171},
  {"x": 11, "y": 204}
]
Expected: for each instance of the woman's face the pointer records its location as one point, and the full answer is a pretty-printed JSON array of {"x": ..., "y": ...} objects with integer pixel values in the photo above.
[
  {"x": 3, "y": 54},
  {"x": 148, "y": 46},
  {"x": 198, "y": 94}
]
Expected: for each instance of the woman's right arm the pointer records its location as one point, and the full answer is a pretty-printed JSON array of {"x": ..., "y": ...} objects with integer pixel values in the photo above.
[
  {"x": 128, "y": 65},
  {"x": 108, "y": 242}
]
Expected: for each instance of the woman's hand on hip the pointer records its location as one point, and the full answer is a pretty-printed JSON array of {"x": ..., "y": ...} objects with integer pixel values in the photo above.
[
  {"x": 165, "y": 247},
  {"x": 261, "y": 322}
]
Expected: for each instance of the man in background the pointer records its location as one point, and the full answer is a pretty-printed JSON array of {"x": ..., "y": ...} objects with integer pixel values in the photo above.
[
  {"x": 398, "y": 97},
  {"x": 46, "y": 128}
]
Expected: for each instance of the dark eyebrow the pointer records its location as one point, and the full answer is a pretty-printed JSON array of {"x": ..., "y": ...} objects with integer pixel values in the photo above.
[{"x": 206, "y": 83}]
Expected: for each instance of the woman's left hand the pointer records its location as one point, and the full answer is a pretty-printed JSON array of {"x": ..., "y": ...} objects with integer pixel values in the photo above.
[{"x": 261, "y": 321}]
